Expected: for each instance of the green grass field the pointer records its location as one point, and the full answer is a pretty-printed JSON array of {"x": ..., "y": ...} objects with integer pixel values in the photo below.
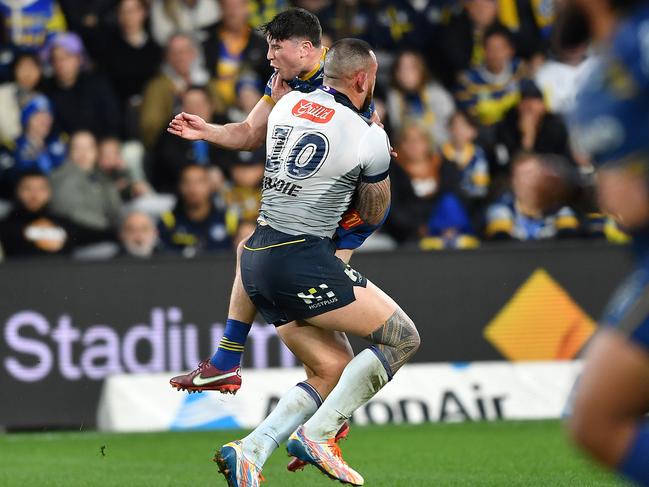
[{"x": 469, "y": 454}]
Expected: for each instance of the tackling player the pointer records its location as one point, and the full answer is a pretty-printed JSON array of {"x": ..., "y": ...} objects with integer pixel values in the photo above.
[
  {"x": 322, "y": 153},
  {"x": 296, "y": 53},
  {"x": 611, "y": 122}
]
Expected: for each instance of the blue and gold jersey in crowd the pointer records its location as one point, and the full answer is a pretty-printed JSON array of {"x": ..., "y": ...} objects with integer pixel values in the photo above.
[
  {"x": 307, "y": 83},
  {"x": 505, "y": 219},
  {"x": 611, "y": 117},
  {"x": 486, "y": 99},
  {"x": 472, "y": 163},
  {"x": 542, "y": 10},
  {"x": 29, "y": 23}
]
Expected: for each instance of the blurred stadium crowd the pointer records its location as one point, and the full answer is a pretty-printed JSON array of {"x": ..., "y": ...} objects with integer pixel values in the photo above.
[{"x": 472, "y": 94}]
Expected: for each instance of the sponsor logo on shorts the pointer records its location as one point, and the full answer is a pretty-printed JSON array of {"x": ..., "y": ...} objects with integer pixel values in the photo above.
[
  {"x": 313, "y": 111},
  {"x": 318, "y": 297}
]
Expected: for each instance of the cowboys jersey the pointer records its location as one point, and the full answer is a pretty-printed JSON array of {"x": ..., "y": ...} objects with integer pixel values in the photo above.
[{"x": 318, "y": 147}]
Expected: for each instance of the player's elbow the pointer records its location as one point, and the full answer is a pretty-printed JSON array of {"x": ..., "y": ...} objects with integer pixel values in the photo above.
[{"x": 592, "y": 432}]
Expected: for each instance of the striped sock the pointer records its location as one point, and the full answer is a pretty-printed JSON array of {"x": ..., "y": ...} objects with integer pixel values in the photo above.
[{"x": 231, "y": 346}]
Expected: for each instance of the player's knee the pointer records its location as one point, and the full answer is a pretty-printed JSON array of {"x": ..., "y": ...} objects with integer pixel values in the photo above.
[{"x": 397, "y": 338}]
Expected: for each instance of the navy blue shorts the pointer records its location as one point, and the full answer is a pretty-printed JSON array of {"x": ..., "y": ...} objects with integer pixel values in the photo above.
[
  {"x": 628, "y": 310},
  {"x": 291, "y": 277}
]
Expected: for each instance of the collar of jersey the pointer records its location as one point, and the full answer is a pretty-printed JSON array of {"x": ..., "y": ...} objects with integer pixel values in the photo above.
[
  {"x": 340, "y": 98},
  {"x": 317, "y": 67}
]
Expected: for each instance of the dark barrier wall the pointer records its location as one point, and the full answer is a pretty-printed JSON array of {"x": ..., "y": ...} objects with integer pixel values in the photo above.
[{"x": 66, "y": 325}]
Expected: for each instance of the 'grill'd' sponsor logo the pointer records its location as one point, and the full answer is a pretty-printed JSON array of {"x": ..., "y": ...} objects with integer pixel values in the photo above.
[{"x": 313, "y": 111}]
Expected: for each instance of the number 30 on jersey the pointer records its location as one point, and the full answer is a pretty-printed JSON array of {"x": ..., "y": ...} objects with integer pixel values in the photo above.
[{"x": 305, "y": 157}]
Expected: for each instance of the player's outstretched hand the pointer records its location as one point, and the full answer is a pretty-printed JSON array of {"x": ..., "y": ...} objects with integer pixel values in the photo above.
[{"x": 188, "y": 126}]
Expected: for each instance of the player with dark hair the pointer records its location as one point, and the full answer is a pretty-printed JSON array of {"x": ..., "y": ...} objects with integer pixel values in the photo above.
[
  {"x": 322, "y": 153},
  {"x": 296, "y": 53},
  {"x": 611, "y": 122}
]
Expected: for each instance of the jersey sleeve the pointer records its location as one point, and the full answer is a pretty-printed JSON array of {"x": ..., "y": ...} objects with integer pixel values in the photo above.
[
  {"x": 374, "y": 155},
  {"x": 631, "y": 47},
  {"x": 268, "y": 90}
]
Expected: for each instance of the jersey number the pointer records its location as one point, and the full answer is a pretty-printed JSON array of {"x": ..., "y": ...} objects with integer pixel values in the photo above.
[{"x": 305, "y": 157}]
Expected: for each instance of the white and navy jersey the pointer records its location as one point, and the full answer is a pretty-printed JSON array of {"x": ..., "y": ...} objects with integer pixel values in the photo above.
[{"x": 318, "y": 147}]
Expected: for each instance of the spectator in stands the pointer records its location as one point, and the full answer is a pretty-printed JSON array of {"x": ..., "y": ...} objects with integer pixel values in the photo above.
[
  {"x": 82, "y": 100},
  {"x": 171, "y": 16},
  {"x": 39, "y": 148},
  {"x": 417, "y": 185},
  {"x": 530, "y": 22},
  {"x": 128, "y": 180},
  {"x": 387, "y": 25},
  {"x": 14, "y": 95},
  {"x": 414, "y": 96},
  {"x": 264, "y": 12},
  {"x": 88, "y": 16},
  {"x": 466, "y": 161},
  {"x": 196, "y": 225},
  {"x": 449, "y": 226},
  {"x": 81, "y": 192},
  {"x": 489, "y": 90},
  {"x": 29, "y": 24},
  {"x": 138, "y": 235},
  {"x": 162, "y": 94},
  {"x": 31, "y": 229},
  {"x": 249, "y": 91},
  {"x": 559, "y": 78},
  {"x": 129, "y": 57},
  {"x": 530, "y": 127},
  {"x": 522, "y": 214},
  {"x": 243, "y": 196},
  {"x": 461, "y": 42},
  {"x": 172, "y": 154},
  {"x": 231, "y": 47}
]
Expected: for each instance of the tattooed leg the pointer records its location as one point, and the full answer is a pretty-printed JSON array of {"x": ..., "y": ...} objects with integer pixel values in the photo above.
[{"x": 395, "y": 342}]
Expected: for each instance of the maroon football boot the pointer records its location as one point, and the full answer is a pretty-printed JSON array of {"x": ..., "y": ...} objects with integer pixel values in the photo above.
[{"x": 206, "y": 377}]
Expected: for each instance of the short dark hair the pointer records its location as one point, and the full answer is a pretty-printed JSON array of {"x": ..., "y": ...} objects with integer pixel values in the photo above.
[
  {"x": 202, "y": 88},
  {"x": 498, "y": 30},
  {"x": 31, "y": 173},
  {"x": 292, "y": 23},
  {"x": 346, "y": 54},
  {"x": 468, "y": 118}
]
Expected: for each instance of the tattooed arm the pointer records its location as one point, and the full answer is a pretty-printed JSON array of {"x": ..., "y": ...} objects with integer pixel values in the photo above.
[
  {"x": 372, "y": 198},
  {"x": 373, "y": 201}
]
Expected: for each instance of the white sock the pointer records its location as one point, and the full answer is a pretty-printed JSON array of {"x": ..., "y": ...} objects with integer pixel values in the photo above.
[
  {"x": 363, "y": 377},
  {"x": 293, "y": 409}
]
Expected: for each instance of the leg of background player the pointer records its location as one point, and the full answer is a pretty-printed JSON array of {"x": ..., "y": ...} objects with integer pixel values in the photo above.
[
  {"x": 325, "y": 354},
  {"x": 612, "y": 398},
  {"x": 241, "y": 314}
]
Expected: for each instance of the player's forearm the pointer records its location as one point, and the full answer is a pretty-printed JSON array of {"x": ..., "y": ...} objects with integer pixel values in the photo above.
[
  {"x": 233, "y": 136},
  {"x": 373, "y": 201}
]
